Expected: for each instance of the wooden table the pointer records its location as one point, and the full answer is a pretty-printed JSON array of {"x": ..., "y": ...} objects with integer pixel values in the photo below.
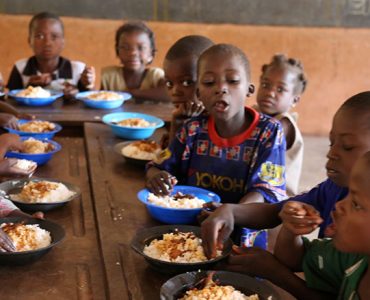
[
  {"x": 75, "y": 113},
  {"x": 95, "y": 260}
]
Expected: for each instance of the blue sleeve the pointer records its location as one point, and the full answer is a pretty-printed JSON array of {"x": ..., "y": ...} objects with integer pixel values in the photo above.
[{"x": 268, "y": 175}]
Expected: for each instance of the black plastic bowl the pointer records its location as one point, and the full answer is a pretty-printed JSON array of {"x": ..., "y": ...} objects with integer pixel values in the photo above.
[
  {"x": 15, "y": 187},
  {"x": 20, "y": 258},
  {"x": 145, "y": 236},
  {"x": 175, "y": 287}
]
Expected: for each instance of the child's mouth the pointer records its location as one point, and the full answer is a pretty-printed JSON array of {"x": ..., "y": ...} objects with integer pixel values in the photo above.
[{"x": 221, "y": 106}]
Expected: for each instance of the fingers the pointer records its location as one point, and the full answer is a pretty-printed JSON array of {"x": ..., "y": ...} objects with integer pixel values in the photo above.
[
  {"x": 162, "y": 183},
  {"x": 6, "y": 244},
  {"x": 38, "y": 215}
]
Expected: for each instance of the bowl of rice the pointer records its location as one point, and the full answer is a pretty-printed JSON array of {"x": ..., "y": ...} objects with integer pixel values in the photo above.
[
  {"x": 38, "y": 150},
  {"x": 34, "y": 96},
  {"x": 180, "y": 207},
  {"x": 138, "y": 152},
  {"x": 103, "y": 99},
  {"x": 218, "y": 285},
  {"x": 36, "y": 128},
  {"x": 32, "y": 238},
  {"x": 175, "y": 248},
  {"x": 39, "y": 194},
  {"x": 132, "y": 126}
]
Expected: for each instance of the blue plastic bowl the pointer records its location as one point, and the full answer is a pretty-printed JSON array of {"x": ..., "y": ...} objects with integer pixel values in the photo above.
[
  {"x": 36, "y": 135},
  {"x": 132, "y": 133},
  {"x": 41, "y": 158},
  {"x": 102, "y": 104},
  {"x": 177, "y": 215},
  {"x": 35, "y": 101}
]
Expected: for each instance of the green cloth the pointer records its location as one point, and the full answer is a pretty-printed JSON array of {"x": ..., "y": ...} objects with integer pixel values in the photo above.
[{"x": 331, "y": 271}]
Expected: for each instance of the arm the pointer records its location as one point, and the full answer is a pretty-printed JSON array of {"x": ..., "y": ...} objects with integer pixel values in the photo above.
[
  {"x": 158, "y": 93},
  {"x": 289, "y": 132},
  {"x": 217, "y": 228},
  {"x": 87, "y": 80}
]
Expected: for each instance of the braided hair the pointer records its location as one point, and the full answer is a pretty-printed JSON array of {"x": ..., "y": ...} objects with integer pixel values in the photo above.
[{"x": 280, "y": 60}]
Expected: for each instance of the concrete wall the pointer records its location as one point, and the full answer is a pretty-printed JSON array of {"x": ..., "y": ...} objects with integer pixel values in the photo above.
[{"x": 336, "y": 59}]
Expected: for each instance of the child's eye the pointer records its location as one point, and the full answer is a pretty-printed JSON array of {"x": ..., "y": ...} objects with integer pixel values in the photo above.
[
  {"x": 264, "y": 85},
  {"x": 187, "y": 83},
  {"x": 347, "y": 147},
  {"x": 143, "y": 48},
  {"x": 39, "y": 36},
  {"x": 208, "y": 82},
  {"x": 169, "y": 84},
  {"x": 234, "y": 81},
  {"x": 355, "y": 205}
]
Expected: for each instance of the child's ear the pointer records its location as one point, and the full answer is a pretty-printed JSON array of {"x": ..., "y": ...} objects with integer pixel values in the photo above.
[
  {"x": 251, "y": 89},
  {"x": 296, "y": 100}
]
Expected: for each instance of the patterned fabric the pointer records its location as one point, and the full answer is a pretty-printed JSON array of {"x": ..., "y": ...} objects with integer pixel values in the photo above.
[
  {"x": 331, "y": 271},
  {"x": 67, "y": 71},
  {"x": 6, "y": 207},
  {"x": 112, "y": 78},
  {"x": 252, "y": 161}
]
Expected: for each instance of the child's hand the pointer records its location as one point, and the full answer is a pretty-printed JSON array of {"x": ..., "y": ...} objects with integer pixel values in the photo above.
[
  {"x": 8, "y": 169},
  {"x": 26, "y": 116},
  {"x": 10, "y": 141},
  {"x": 207, "y": 209},
  {"x": 216, "y": 229},
  {"x": 300, "y": 218},
  {"x": 88, "y": 78},
  {"x": 38, "y": 215},
  {"x": 188, "y": 109},
  {"x": 6, "y": 244},
  {"x": 40, "y": 80},
  {"x": 253, "y": 261},
  {"x": 161, "y": 183},
  {"x": 69, "y": 90},
  {"x": 8, "y": 120}
]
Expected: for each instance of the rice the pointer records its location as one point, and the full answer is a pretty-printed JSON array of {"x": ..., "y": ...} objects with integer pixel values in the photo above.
[
  {"x": 135, "y": 122},
  {"x": 34, "y": 92},
  {"x": 43, "y": 192},
  {"x": 178, "y": 200},
  {"x": 104, "y": 96},
  {"x": 217, "y": 292},
  {"x": 179, "y": 247},
  {"x": 33, "y": 146},
  {"x": 37, "y": 126},
  {"x": 145, "y": 150},
  {"x": 27, "y": 237},
  {"x": 25, "y": 164}
]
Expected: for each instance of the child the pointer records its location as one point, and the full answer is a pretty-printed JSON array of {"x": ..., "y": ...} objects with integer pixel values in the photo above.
[
  {"x": 281, "y": 84},
  {"x": 135, "y": 47},
  {"x": 47, "y": 68},
  {"x": 349, "y": 140},
  {"x": 180, "y": 68},
  {"x": 235, "y": 151},
  {"x": 339, "y": 266}
]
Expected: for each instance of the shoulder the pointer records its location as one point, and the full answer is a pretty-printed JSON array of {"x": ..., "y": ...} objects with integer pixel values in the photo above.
[{"x": 154, "y": 71}]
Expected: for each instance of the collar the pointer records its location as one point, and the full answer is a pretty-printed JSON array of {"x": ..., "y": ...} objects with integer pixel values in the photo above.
[
  {"x": 234, "y": 140},
  {"x": 64, "y": 69}
]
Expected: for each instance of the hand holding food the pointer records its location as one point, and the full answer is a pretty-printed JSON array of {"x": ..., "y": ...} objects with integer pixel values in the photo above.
[
  {"x": 216, "y": 229},
  {"x": 69, "y": 90},
  {"x": 300, "y": 218},
  {"x": 8, "y": 120},
  {"x": 40, "y": 80},
  {"x": 16, "y": 167},
  {"x": 88, "y": 78},
  {"x": 161, "y": 183}
]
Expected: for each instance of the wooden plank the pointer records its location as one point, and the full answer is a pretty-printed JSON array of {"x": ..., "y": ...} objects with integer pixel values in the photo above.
[
  {"x": 74, "y": 113},
  {"x": 73, "y": 269},
  {"x": 119, "y": 214}
]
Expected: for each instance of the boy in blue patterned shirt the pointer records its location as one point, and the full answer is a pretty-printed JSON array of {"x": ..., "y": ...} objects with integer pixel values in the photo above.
[{"x": 234, "y": 151}]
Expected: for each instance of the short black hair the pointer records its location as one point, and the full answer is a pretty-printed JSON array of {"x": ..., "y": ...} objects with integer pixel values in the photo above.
[
  {"x": 359, "y": 103},
  {"x": 135, "y": 26},
  {"x": 230, "y": 50},
  {"x": 280, "y": 60},
  {"x": 190, "y": 45},
  {"x": 42, "y": 16}
]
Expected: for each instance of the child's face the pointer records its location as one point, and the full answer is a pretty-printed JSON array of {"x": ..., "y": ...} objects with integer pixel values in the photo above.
[
  {"x": 349, "y": 140},
  {"x": 352, "y": 214},
  {"x": 47, "y": 39},
  {"x": 134, "y": 50},
  {"x": 181, "y": 78},
  {"x": 223, "y": 85},
  {"x": 276, "y": 91}
]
